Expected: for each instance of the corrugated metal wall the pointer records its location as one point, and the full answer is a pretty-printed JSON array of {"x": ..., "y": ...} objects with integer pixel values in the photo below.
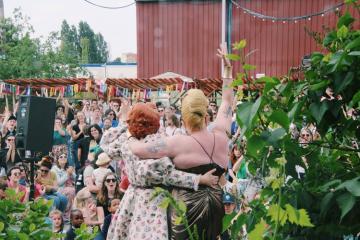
[
  {"x": 183, "y": 36},
  {"x": 179, "y": 37},
  {"x": 279, "y": 45}
]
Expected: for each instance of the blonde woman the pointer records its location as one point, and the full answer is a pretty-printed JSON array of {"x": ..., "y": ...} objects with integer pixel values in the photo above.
[
  {"x": 93, "y": 215},
  {"x": 198, "y": 152}
]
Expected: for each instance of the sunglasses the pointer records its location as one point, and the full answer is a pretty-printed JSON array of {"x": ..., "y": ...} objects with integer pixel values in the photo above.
[
  {"x": 305, "y": 135},
  {"x": 22, "y": 170},
  {"x": 10, "y": 140},
  {"x": 212, "y": 105},
  {"x": 111, "y": 180},
  {"x": 44, "y": 170},
  {"x": 62, "y": 156}
]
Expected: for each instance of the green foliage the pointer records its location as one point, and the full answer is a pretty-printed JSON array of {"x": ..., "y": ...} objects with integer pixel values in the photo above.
[
  {"x": 180, "y": 210},
  {"x": 24, "y": 221},
  {"x": 324, "y": 203},
  {"x": 84, "y": 233}
]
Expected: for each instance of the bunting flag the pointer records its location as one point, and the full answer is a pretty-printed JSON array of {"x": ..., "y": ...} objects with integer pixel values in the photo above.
[
  {"x": 76, "y": 88},
  {"x": 88, "y": 85}
]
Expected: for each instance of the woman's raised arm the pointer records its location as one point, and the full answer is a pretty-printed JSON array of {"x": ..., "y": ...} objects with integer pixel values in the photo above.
[{"x": 224, "y": 116}]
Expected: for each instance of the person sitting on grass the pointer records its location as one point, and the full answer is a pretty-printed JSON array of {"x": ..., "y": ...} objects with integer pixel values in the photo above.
[
  {"x": 57, "y": 221},
  {"x": 13, "y": 176},
  {"x": 112, "y": 207},
  {"x": 76, "y": 219}
]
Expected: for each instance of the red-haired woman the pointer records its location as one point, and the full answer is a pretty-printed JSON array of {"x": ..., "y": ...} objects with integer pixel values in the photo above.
[{"x": 137, "y": 206}]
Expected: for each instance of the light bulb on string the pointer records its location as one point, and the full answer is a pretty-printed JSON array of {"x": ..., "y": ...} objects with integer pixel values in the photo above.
[
  {"x": 263, "y": 20},
  {"x": 283, "y": 21},
  {"x": 309, "y": 18},
  {"x": 273, "y": 21},
  {"x": 295, "y": 21},
  {"x": 322, "y": 15}
]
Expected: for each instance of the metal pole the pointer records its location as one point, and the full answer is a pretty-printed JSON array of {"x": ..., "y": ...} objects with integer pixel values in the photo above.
[{"x": 223, "y": 29}]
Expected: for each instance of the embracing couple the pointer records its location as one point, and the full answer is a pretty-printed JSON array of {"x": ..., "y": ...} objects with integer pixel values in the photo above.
[{"x": 192, "y": 164}]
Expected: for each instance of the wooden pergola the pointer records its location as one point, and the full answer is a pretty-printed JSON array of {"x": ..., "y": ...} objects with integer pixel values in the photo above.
[{"x": 48, "y": 82}]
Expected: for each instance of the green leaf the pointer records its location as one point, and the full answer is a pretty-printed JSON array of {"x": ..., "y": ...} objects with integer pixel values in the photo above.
[
  {"x": 32, "y": 227},
  {"x": 255, "y": 144},
  {"x": 249, "y": 67},
  {"x": 319, "y": 85},
  {"x": 345, "y": 20},
  {"x": 304, "y": 219},
  {"x": 294, "y": 110},
  {"x": 342, "y": 32},
  {"x": 318, "y": 110},
  {"x": 259, "y": 231},
  {"x": 182, "y": 206},
  {"x": 356, "y": 98},
  {"x": 227, "y": 221},
  {"x": 267, "y": 80},
  {"x": 2, "y": 225},
  {"x": 276, "y": 213},
  {"x": 247, "y": 111},
  {"x": 325, "y": 203},
  {"x": 353, "y": 186},
  {"x": 23, "y": 236},
  {"x": 276, "y": 135},
  {"x": 237, "y": 82},
  {"x": 240, "y": 45},
  {"x": 346, "y": 202},
  {"x": 280, "y": 117},
  {"x": 178, "y": 220},
  {"x": 325, "y": 187},
  {"x": 292, "y": 214},
  {"x": 233, "y": 57},
  {"x": 165, "y": 203},
  {"x": 354, "y": 53},
  {"x": 329, "y": 38},
  {"x": 343, "y": 84},
  {"x": 353, "y": 44}
]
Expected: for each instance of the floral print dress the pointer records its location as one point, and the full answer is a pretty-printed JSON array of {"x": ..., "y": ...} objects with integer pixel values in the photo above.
[{"x": 139, "y": 217}]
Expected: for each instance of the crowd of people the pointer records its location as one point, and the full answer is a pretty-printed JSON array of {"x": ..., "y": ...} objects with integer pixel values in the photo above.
[{"x": 107, "y": 157}]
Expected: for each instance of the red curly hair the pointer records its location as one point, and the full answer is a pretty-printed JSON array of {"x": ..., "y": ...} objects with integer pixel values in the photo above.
[{"x": 143, "y": 121}]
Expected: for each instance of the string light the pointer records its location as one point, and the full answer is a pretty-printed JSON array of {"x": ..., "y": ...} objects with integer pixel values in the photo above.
[{"x": 334, "y": 8}]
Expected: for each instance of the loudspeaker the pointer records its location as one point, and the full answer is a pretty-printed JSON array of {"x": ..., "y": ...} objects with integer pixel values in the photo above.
[{"x": 35, "y": 124}]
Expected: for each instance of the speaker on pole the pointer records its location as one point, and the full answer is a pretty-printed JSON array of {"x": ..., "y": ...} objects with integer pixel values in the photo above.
[{"x": 35, "y": 124}]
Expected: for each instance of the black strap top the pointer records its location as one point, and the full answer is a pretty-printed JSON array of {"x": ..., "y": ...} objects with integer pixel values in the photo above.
[{"x": 203, "y": 148}]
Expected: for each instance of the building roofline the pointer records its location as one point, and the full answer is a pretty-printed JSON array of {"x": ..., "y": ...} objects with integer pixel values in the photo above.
[{"x": 107, "y": 64}]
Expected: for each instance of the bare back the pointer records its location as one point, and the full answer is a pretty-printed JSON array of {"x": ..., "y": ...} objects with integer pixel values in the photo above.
[{"x": 189, "y": 153}]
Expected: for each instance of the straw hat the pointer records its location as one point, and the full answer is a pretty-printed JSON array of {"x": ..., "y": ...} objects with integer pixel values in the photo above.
[{"x": 103, "y": 158}]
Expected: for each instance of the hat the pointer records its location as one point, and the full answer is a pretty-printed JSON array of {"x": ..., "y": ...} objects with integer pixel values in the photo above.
[
  {"x": 12, "y": 117},
  {"x": 228, "y": 198},
  {"x": 103, "y": 158}
]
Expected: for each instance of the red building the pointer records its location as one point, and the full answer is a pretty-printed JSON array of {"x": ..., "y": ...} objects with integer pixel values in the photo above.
[{"x": 182, "y": 36}]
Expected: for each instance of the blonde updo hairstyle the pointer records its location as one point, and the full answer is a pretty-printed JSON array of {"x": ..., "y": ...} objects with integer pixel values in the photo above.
[{"x": 193, "y": 109}]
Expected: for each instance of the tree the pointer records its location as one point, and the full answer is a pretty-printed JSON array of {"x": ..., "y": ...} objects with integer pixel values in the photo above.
[
  {"x": 97, "y": 46},
  {"x": 25, "y": 56},
  {"x": 324, "y": 203},
  {"x": 103, "y": 52}
]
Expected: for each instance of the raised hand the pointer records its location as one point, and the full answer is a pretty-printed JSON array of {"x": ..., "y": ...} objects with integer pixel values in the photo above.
[{"x": 222, "y": 52}]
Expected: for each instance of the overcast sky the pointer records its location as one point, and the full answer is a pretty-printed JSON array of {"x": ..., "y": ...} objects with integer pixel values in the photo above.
[{"x": 117, "y": 26}]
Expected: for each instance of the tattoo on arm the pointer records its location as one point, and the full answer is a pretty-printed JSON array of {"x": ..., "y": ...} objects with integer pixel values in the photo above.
[
  {"x": 228, "y": 112},
  {"x": 157, "y": 146}
]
